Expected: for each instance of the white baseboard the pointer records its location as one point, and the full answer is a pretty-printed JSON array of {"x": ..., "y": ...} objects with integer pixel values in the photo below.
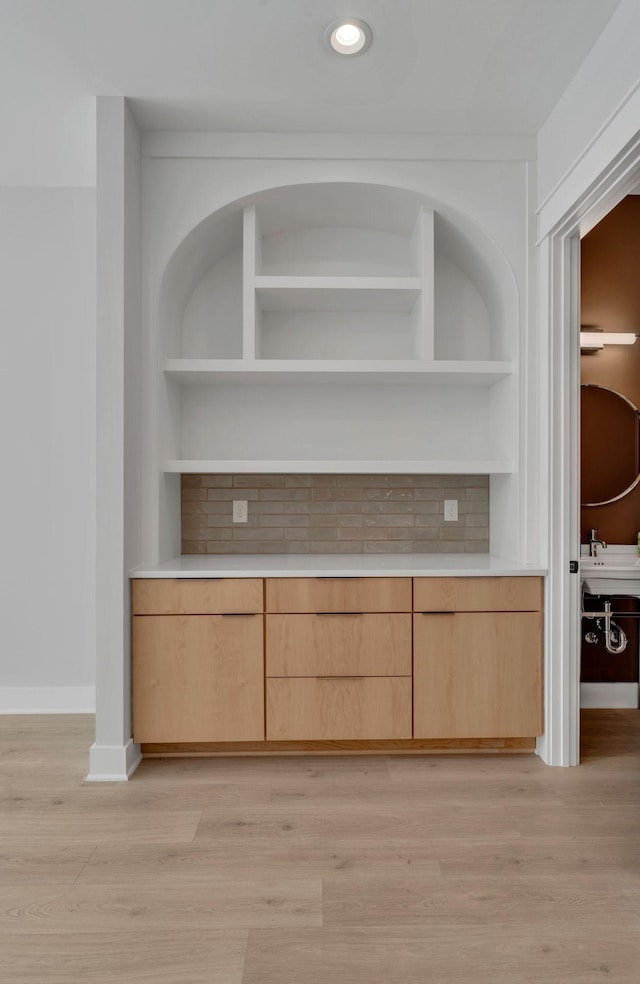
[
  {"x": 113, "y": 763},
  {"x": 47, "y": 700},
  {"x": 609, "y": 695}
]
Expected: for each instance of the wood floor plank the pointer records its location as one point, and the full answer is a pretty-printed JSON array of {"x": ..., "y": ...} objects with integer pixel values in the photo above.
[
  {"x": 532, "y": 792},
  {"x": 563, "y": 856},
  {"x": 593, "y": 820},
  {"x": 462, "y": 768},
  {"x": 220, "y": 904},
  {"x": 82, "y": 827},
  {"x": 175, "y": 956},
  {"x": 356, "y": 957},
  {"x": 539, "y": 899},
  {"x": 147, "y": 866},
  {"x": 30, "y": 864},
  {"x": 265, "y": 771},
  {"x": 481, "y": 955},
  {"x": 339, "y": 825}
]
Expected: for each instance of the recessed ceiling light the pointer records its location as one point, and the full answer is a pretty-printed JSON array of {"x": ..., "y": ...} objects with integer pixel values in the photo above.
[{"x": 349, "y": 36}]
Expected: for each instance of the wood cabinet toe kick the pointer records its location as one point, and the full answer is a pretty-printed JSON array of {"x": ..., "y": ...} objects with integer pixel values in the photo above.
[{"x": 245, "y": 666}]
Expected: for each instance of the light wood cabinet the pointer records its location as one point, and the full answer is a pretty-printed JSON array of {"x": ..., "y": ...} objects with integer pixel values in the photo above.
[
  {"x": 339, "y": 645},
  {"x": 338, "y": 594},
  {"x": 477, "y": 675},
  {"x": 337, "y": 659},
  {"x": 338, "y": 708},
  {"x": 198, "y": 678}
]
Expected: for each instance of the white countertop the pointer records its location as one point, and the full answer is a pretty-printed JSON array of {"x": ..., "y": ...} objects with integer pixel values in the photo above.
[{"x": 338, "y": 565}]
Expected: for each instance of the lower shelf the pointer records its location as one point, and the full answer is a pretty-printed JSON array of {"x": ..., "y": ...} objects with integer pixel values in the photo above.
[
  {"x": 353, "y": 371},
  {"x": 390, "y": 746}
]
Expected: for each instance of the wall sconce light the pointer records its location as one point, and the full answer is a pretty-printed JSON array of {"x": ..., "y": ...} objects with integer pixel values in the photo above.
[{"x": 592, "y": 341}]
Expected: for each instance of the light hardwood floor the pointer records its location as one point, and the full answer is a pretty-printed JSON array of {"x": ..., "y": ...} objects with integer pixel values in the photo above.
[{"x": 350, "y": 870}]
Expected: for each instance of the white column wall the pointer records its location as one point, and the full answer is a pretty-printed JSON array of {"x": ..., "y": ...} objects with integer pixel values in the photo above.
[{"x": 114, "y": 755}]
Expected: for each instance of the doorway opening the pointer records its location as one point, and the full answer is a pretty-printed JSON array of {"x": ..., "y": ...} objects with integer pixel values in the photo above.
[
  {"x": 559, "y": 267},
  {"x": 610, "y": 458}
]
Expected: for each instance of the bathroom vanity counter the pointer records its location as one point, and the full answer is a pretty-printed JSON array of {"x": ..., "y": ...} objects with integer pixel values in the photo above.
[{"x": 338, "y": 565}]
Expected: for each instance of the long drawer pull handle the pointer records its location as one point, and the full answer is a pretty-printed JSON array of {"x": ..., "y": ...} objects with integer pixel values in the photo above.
[
  {"x": 344, "y": 677},
  {"x": 338, "y": 613},
  {"x": 201, "y": 580},
  {"x": 435, "y": 613}
]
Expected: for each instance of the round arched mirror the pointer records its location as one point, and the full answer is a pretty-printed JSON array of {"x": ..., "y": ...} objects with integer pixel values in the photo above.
[{"x": 610, "y": 445}]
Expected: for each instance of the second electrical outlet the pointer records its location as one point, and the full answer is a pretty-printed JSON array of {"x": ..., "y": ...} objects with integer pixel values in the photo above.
[
  {"x": 451, "y": 510},
  {"x": 240, "y": 511}
]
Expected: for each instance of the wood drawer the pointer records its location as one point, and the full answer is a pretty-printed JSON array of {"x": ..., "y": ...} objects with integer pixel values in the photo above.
[
  {"x": 356, "y": 708},
  {"x": 339, "y": 645},
  {"x": 477, "y": 594},
  {"x": 338, "y": 594},
  {"x": 198, "y": 678},
  {"x": 195, "y": 596}
]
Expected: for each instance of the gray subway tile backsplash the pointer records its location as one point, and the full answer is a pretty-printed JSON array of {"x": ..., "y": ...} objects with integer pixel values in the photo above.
[{"x": 335, "y": 514}]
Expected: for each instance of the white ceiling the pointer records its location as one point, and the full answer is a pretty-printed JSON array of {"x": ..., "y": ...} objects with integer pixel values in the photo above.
[{"x": 435, "y": 66}]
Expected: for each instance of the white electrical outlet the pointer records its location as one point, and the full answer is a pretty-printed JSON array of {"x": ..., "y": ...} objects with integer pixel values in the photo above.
[
  {"x": 240, "y": 510},
  {"x": 450, "y": 510}
]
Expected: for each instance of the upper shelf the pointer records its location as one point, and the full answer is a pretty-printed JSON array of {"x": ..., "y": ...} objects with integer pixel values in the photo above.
[
  {"x": 423, "y": 372},
  {"x": 279, "y": 293}
]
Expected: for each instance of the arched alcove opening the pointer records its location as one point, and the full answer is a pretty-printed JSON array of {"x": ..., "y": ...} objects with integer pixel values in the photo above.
[{"x": 346, "y": 230}]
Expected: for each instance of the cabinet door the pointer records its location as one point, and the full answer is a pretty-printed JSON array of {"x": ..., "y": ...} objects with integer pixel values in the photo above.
[
  {"x": 198, "y": 678},
  {"x": 477, "y": 675}
]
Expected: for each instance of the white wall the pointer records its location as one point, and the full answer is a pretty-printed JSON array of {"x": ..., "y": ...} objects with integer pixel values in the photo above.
[
  {"x": 47, "y": 421},
  {"x": 597, "y": 115},
  {"x": 47, "y": 110},
  {"x": 47, "y": 374}
]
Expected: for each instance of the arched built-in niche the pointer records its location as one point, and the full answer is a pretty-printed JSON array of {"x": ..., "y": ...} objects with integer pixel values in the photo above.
[
  {"x": 343, "y": 231},
  {"x": 338, "y": 326}
]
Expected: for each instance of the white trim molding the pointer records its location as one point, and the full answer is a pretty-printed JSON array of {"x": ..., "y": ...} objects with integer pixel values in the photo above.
[
  {"x": 113, "y": 763},
  {"x": 336, "y": 146},
  {"x": 614, "y": 146},
  {"x": 609, "y": 695},
  {"x": 559, "y": 308},
  {"x": 47, "y": 700}
]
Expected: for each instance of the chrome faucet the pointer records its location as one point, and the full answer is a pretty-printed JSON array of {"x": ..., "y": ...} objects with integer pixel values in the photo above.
[{"x": 594, "y": 543}]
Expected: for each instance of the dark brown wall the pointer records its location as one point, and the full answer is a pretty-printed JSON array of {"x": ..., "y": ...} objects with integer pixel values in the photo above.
[{"x": 610, "y": 299}]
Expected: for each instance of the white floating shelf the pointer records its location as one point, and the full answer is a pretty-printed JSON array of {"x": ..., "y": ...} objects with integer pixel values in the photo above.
[
  {"x": 397, "y": 294},
  {"x": 442, "y": 467},
  {"x": 451, "y": 373},
  {"x": 278, "y": 282}
]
